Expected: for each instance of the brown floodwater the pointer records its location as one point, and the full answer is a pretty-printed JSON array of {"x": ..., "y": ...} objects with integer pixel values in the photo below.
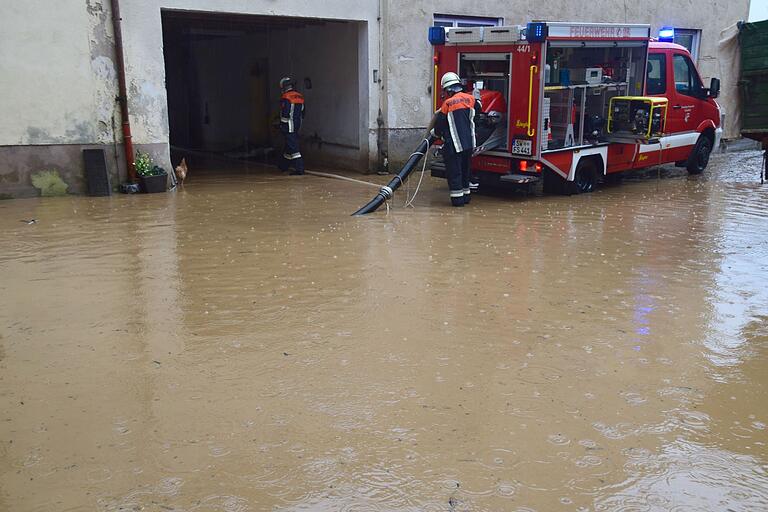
[{"x": 244, "y": 344}]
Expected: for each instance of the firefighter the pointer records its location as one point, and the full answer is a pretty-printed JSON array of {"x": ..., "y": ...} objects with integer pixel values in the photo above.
[
  {"x": 455, "y": 124},
  {"x": 291, "y": 115}
]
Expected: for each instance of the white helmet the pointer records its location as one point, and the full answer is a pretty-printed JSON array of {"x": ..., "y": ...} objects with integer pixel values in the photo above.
[
  {"x": 450, "y": 79},
  {"x": 287, "y": 83}
]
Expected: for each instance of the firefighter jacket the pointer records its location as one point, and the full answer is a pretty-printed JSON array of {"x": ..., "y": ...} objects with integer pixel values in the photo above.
[
  {"x": 456, "y": 121},
  {"x": 291, "y": 111}
]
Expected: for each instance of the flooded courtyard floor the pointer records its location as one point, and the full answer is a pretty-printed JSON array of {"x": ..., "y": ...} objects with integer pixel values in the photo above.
[{"x": 244, "y": 344}]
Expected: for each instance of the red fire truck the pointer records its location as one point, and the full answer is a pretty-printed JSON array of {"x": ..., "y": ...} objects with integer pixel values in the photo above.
[{"x": 572, "y": 103}]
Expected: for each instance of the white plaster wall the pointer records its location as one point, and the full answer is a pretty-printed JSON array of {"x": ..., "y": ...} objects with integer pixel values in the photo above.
[
  {"x": 57, "y": 80},
  {"x": 328, "y": 56},
  {"x": 409, "y": 73}
]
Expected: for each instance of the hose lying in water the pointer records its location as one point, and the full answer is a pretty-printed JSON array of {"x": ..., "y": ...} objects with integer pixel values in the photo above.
[
  {"x": 339, "y": 177},
  {"x": 388, "y": 190}
]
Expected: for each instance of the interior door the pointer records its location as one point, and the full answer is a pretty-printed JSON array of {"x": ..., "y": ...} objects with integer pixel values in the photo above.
[{"x": 259, "y": 104}]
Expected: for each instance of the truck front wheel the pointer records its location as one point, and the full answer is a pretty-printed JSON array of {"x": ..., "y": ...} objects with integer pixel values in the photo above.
[{"x": 699, "y": 157}]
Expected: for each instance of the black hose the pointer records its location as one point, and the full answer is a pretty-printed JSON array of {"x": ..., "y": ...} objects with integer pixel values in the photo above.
[{"x": 389, "y": 189}]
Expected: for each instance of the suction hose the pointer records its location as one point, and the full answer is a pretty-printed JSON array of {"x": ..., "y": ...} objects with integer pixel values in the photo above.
[{"x": 388, "y": 190}]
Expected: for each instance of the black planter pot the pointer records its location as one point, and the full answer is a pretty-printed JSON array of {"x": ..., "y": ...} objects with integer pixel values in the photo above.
[{"x": 154, "y": 184}]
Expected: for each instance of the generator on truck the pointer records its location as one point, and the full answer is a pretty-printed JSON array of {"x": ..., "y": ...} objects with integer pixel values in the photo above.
[{"x": 571, "y": 103}]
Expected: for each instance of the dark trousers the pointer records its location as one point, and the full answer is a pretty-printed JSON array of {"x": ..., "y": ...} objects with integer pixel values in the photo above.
[
  {"x": 291, "y": 153},
  {"x": 457, "y": 172}
]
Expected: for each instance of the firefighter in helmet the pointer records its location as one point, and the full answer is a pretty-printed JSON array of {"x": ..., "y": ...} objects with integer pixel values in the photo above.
[
  {"x": 455, "y": 124},
  {"x": 291, "y": 115}
]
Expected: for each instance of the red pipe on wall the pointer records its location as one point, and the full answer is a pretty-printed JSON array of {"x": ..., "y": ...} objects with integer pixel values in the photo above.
[{"x": 123, "y": 92}]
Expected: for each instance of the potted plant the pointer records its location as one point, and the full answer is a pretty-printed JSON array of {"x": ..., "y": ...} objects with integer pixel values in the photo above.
[{"x": 153, "y": 178}]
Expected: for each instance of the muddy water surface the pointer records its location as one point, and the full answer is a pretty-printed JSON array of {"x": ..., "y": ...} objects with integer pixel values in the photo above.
[{"x": 245, "y": 345}]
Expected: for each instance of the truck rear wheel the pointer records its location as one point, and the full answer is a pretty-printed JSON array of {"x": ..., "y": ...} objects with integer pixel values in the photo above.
[
  {"x": 585, "y": 179},
  {"x": 699, "y": 157}
]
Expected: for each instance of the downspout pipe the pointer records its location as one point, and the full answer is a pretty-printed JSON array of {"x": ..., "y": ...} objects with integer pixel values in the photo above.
[{"x": 122, "y": 97}]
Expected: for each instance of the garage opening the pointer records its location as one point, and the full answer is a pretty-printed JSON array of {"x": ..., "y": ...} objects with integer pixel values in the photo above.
[{"x": 222, "y": 80}]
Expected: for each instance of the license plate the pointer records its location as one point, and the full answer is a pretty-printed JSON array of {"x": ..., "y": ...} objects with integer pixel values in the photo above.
[{"x": 521, "y": 147}]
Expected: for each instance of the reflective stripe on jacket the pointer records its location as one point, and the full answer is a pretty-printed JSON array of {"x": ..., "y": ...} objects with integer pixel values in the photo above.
[
  {"x": 456, "y": 121},
  {"x": 292, "y": 110}
]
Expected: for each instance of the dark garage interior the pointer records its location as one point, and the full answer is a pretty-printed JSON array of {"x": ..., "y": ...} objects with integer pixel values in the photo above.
[{"x": 222, "y": 74}]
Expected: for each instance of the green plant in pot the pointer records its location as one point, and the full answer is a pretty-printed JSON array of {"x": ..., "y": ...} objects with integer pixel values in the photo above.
[{"x": 153, "y": 178}]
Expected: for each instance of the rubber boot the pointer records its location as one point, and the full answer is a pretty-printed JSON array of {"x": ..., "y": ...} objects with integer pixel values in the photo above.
[
  {"x": 299, "y": 166},
  {"x": 457, "y": 201}
]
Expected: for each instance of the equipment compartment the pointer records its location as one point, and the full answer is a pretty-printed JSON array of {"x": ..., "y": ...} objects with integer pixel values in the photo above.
[
  {"x": 487, "y": 76},
  {"x": 580, "y": 80}
]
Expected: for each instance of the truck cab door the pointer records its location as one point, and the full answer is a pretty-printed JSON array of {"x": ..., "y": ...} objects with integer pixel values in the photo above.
[
  {"x": 672, "y": 74},
  {"x": 686, "y": 95}
]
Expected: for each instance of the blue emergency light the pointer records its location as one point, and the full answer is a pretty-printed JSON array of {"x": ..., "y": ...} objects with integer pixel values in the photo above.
[
  {"x": 536, "y": 32},
  {"x": 667, "y": 35},
  {"x": 436, "y": 35}
]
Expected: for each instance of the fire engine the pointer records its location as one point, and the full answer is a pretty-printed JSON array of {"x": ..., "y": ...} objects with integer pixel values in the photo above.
[{"x": 570, "y": 104}]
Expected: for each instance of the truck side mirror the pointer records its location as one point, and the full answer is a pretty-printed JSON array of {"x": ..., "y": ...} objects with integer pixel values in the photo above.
[{"x": 714, "y": 88}]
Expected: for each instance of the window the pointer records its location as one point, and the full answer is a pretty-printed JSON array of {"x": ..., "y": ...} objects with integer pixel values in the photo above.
[
  {"x": 656, "y": 82},
  {"x": 690, "y": 39},
  {"x": 450, "y": 21},
  {"x": 686, "y": 79}
]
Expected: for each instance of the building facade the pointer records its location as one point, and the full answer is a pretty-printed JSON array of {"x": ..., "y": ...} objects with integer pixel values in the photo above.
[{"x": 202, "y": 75}]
